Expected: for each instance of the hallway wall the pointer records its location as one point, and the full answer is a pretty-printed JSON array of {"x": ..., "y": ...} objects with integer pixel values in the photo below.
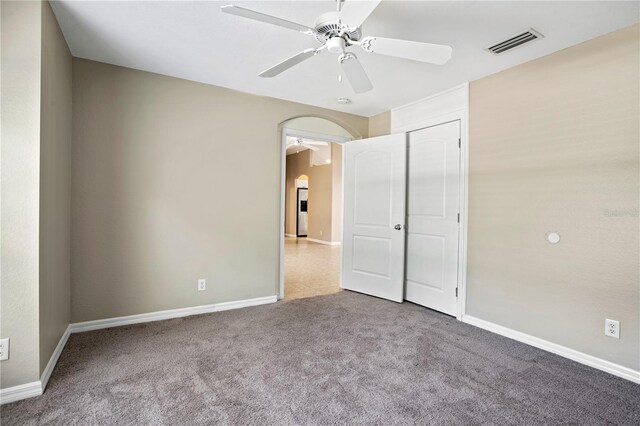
[{"x": 322, "y": 204}]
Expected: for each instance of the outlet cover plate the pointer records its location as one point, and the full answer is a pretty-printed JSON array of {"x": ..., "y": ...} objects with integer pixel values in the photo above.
[
  {"x": 612, "y": 328},
  {"x": 4, "y": 349},
  {"x": 202, "y": 284}
]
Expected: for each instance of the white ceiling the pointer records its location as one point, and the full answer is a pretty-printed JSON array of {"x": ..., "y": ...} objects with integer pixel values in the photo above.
[{"x": 195, "y": 41}]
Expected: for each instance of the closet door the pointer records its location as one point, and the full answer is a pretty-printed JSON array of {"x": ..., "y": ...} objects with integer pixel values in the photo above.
[
  {"x": 432, "y": 217},
  {"x": 374, "y": 213}
]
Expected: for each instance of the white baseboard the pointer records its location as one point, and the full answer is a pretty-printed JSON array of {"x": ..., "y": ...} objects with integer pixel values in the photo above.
[
  {"x": 79, "y": 327},
  {"x": 44, "y": 379},
  {"x": 291, "y": 235},
  {"x": 328, "y": 243},
  {"x": 582, "y": 358},
  {"x": 16, "y": 393},
  {"x": 28, "y": 390}
]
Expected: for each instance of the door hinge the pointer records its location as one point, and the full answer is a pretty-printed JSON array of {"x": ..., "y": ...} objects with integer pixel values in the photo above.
[
  {"x": 459, "y": 143},
  {"x": 458, "y": 217},
  {"x": 456, "y": 291}
]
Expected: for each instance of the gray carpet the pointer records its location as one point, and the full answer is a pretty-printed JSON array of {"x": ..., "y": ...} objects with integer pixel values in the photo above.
[{"x": 339, "y": 359}]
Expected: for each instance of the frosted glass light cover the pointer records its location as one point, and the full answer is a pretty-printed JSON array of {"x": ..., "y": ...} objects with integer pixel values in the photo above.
[{"x": 553, "y": 237}]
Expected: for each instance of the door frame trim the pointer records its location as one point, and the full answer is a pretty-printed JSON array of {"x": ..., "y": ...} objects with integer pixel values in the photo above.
[
  {"x": 442, "y": 108},
  {"x": 284, "y": 132}
]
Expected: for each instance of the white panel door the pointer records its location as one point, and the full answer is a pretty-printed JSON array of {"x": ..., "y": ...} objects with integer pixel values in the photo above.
[
  {"x": 374, "y": 213},
  {"x": 432, "y": 217}
]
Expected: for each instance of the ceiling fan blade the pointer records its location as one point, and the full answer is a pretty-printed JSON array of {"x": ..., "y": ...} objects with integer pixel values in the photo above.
[
  {"x": 311, "y": 147},
  {"x": 288, "y": 63},
  {"x": 437, "y": 54},
  {"x": 355, "y": 73},
  {"x": 354, "y": 13},
  {"x": 257, "y": 16}
]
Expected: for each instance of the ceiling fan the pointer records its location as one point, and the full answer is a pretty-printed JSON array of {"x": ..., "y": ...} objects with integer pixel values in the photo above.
[
  {"x": 305, "y": 143},
  {"x": 339, "y": 30}
]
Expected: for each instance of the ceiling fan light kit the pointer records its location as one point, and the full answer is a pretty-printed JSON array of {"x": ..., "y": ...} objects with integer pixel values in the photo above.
[
  {"x": 336, "y": 45},
  {"x": 340, "y": 30}
]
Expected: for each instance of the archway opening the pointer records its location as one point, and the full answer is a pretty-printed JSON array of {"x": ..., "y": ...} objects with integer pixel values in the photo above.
[
  {"x": 311, "y": 219},
  {"x": 302, "y": 181}
]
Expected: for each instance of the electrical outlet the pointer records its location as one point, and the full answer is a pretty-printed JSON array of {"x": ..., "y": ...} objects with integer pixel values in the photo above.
[
  {"x": 4, "y": 349},
  {"x": 202, "y": 284},
  {"x": 612, "y": 328}
]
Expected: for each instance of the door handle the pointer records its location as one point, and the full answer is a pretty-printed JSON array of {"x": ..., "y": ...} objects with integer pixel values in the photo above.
[{"x": 398, "y": 227}]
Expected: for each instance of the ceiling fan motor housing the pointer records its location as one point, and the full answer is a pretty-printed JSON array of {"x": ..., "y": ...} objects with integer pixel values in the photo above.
[{"x": 328, "y": 27}]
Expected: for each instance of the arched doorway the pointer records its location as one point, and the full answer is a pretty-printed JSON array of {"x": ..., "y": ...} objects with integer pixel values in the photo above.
[
  {"x": 311, "y": 157},
  {"x": 302, "y": 181}
]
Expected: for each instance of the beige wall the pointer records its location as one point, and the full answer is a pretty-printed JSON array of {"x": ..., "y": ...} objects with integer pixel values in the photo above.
[
  {"x": 36, "y": 187},
  {"x": 380, "y": 125},
  {"x": 554, "y": 147},
  {"x": 156, "y": 201},
  {"x": 20, "y": 87},
  {"x": 295, "y": 167},
  {"x": 322, "y": 197},
  {"x": 336, "y": 193},
  {"x": 55, "y": 186}
]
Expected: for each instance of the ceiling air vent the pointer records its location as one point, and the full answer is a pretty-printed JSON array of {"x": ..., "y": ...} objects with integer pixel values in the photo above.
[{"x": 515, "y": 41}]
